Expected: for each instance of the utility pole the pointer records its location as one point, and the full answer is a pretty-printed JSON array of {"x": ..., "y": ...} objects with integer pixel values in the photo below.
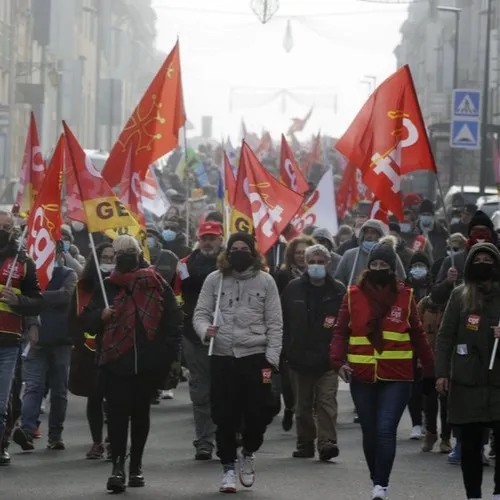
[
  {"x": 483, "y": 168},
  {"x": 98, "y": 74}
]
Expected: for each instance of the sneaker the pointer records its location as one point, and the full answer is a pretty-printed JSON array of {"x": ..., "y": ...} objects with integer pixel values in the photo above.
[
  {"x": 492, "y": 454},
  {"x": 36, "y": 433},
  {"x": 96, "y": 452},
  {"x": 4, "y": 456},
  {"x": 287, "y": 422},
  {"x": 486, "y": 462},
  {"x": 416, "y": 433},
  {"x": 56, "y": 444},
  {"x": 203, "y": 454},
  {"x": 228, "y": 483},
  {"x": 43, "y": 406},
  {"x": 24, "y": 439},
  {"x": 455, "y": 457},
  {"x": 167, "y": 394},
  {"x": 429, "y": 441},
  {"x": 445, "y": 446},
  {"x": 247, "y": 469},
  {"x": 303, "y": 453},
  {"x": 379, "y": 493},
  {"x": 328, "y": 452},
  {"x": 136, "y": 478}
]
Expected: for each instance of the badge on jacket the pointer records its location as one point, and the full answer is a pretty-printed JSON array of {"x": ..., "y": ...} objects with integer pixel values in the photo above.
[
  {"x": 329, "y": 322},
  {"x": 473, "y": 321},
  {"x": 267, "y": 375},
  {"x": 396, "y": 314}
]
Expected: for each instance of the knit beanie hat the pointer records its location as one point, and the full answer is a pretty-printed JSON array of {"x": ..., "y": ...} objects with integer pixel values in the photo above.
[
  {"x": 420, "y": 257},
  {"x": 384, "y": 250},
  {"x": 480, "y": 219},
  {"x": 426, "y": 207},
  {"x": 245, "y": 237},
  {"x": 395, "y": 227}
]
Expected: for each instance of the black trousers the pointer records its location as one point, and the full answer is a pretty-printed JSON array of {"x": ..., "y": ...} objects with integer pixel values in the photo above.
[
  {"x": 435, "y": 403},
  {"x": 241, "y": 400},
  {"x": 128, "y": 400},
  {"x": 14, "y": 406},
  {"x": 415, "y": 404},
  {"x": 95, "y": 416},
  {"x": 472, "y": 457}
]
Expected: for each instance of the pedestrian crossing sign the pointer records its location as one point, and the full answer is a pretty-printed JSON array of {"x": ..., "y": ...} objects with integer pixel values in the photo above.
[
  {"x": 465, "y": 134},
  {"x": 467, "y": 103}
]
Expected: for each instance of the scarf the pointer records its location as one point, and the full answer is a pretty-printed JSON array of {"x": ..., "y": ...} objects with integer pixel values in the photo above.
[
  {"x": 381, "y": 299},
  {"x": 140, "y": 299},
  {"x": 296, "y": 271}
]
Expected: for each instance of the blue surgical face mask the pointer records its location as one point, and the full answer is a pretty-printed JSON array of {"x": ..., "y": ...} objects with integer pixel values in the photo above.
[
  {"x": 151, "y": 242},
  {"x": 66, "y": 245},
  {"x": 405, "y": 227},
  {"x": 316, "y": 271},
  {"x": 169, "y": 235},
  {"x": 454, "y": 220},
  {"x": 418, "y": 272},
  {"x": 368, "y": 245},
  {"x": 426, "y": 220}
]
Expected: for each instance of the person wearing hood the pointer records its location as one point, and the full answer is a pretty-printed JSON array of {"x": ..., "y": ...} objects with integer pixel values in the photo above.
[
  {"x": 451, "y": 272},
  {"x": 376, "y": 337},
  {"x": 165, "y": 261},
  {"x": 353, "y": 242},
  {"x": 432, "y": 229},
  {"x": 324, "y": 237},
  {"x": 247, "y": 333},
  {"x": 461, "y": 224},
  {"x": 310, "y": 307},
  {"x": 404, "y": 253},
  {"x": 355, "y": 261},
  {"x": 465, "y": 345},
  {"x": 83, "y": 369}
]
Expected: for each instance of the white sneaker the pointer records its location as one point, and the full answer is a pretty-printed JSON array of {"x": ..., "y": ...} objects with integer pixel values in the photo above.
[
  {"x": 247, "y": 469},
  {"x": 379, "y": 493},
  {"x": 167, "y": 394},
  {"x": 416, "y": 432},
  {"x": 228, "y": 483}
]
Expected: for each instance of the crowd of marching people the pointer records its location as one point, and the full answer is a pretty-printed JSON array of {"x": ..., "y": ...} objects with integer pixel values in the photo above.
[{"x": 407, "y": 313}]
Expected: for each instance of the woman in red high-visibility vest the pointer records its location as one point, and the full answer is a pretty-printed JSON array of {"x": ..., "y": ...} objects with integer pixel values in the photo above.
[{"x": 376, "y": 337}]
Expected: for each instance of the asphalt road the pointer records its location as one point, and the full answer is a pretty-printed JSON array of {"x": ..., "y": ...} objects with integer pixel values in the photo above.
[{"x": 171, "y": 472}]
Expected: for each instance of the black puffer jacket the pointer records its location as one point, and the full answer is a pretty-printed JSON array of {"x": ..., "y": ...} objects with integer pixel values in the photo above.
[{"x": 308, "y": 324}]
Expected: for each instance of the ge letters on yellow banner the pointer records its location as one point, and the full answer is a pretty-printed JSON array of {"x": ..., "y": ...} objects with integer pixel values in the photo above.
[{"x": 240, "y": 223}]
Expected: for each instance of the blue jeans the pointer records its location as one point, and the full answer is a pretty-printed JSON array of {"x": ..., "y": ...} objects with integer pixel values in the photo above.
[
  {"x": 46, "y": 364},
  {"x": 380, "y": 407},
  {"x": 8, "y": 361}
]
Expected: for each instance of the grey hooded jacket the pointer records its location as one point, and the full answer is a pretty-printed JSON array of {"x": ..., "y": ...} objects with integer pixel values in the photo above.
[
  {"x": 336, "y": 258},
  {"x": 357, "y": 258}
]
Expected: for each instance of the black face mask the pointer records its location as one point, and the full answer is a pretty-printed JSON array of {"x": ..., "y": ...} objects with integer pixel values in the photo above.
[
  {"x": 4, "y": 238},
  {"x": 126, "y": 263},
  {"x": 481, "y": 271},
  {"x": 380, "y": 277},
  {"x": 240, "y": 260}
]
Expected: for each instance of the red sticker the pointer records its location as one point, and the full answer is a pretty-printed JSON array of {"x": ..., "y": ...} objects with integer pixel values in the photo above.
[
  {"x": 329, "y": 322},
  {"x": 267, "y": 374},
  {"x": 473, "y": 321}
]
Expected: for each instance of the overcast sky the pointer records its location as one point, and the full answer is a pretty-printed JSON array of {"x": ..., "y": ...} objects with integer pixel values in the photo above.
[{"x": 225, "y": 48}]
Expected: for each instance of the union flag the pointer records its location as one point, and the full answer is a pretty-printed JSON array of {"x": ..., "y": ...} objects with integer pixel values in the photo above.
[
  {"x": 153, "y": 128},
  {"x": 32, "y": 171},
  {"x": 290, "y": 174},
  {"x": 45, "y": 220},
  {"x": 388, "y": 139}
]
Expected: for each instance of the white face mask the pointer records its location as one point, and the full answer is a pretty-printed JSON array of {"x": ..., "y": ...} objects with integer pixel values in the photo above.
[
  {"x": 107, "y": 268},
  {"x": 77, "y": 225}
]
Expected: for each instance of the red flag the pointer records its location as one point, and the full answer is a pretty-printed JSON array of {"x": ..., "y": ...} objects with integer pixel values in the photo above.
[
  {"x": 265, "y": 144},
  {"x": 32, "y": 171},
  {"x": 153, "y": 128},
  {"x": 378, "y": 212},
  {"x": 314, "y": 156},
  {"x": 298, "y": 124},
  {"x": 266, "y": 204},
  {"x": 388, "y": 139},
  {"x": 290, "y": 174},
  {"x": 45, "y": 220},
  {"x": 229, "y": 181},
  {"x": 347, "y": 195},
  {"x": 131, "y": 190}
]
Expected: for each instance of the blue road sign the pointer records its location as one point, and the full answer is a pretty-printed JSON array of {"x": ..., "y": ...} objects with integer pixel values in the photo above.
[
  {"x": 467, "y": 104},
  {"x": 465, "y": 134}
]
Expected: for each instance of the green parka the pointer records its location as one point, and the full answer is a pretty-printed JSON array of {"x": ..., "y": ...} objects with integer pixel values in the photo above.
[{"x": 463, "y": 350}]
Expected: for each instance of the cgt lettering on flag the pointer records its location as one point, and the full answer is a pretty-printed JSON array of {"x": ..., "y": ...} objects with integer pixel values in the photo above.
[
  {"x": 389, "y": 163},
  {"x": 42, "y": 244}
]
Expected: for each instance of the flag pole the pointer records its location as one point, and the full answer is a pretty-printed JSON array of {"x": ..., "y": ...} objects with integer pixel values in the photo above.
[
  {"x": 99, "y": 274},
  {"x": 16, "y": 258},
  {"x": 188, "y": 190}
]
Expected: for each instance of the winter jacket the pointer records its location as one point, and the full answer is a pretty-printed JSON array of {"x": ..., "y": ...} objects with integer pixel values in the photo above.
[
  {"x": 463, "y": 350},
  {"x": 438, "y": 238},
  {"x": 308, "y": 324},
  {"x": 249, "y": 319},
  {"x": 348, "y": 245},
  {"x": 430, "y": 315},
  {"x": 165, "y": 262},
  {"x": 347, "y": 272},
  {"x": 54, "y": 329},
  {"x": 442, "y": 289}
]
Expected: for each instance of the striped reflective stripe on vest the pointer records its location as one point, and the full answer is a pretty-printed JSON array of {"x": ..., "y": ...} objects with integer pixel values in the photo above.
[
  {"x": 371, "y": 359},
  {"x": 5, "y": 307}
]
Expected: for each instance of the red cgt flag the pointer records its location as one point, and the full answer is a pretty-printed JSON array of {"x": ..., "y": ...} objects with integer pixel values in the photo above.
[
  {"x": 153, "y": 128},
  {"x": 388, "y": 139},
  {"x": 32, "y": 171},
  {"x": 269, "y": 204},
  {"x": 290, "y": 174},
  {"x": 45, "y": 220}
]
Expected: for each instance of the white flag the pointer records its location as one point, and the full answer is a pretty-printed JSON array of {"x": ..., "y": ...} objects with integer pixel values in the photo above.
[{"x": 153, "y": 198}]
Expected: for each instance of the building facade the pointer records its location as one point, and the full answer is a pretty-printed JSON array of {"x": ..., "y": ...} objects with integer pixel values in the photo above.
[
  {"x": 83, "y": 61},
  {"x": 428, "y": 38}
]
